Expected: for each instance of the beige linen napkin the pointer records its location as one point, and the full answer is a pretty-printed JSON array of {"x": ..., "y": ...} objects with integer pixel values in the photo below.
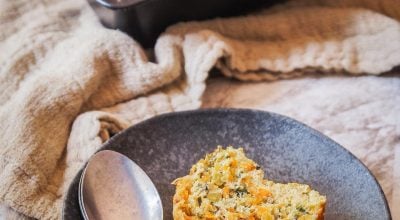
[{"x": 67, "y": 84}]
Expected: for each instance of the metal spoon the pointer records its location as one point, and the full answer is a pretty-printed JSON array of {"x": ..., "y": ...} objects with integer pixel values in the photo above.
[{"x": 114, "y": 187}]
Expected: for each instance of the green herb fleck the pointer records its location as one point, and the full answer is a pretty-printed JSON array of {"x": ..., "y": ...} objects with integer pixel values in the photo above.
[
  {"x": 301, "y": 209},
  {"x": 241, "y": 191}
]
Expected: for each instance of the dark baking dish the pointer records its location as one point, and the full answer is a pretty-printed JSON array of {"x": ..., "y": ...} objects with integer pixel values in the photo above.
[{"x": 144, "y": 20}]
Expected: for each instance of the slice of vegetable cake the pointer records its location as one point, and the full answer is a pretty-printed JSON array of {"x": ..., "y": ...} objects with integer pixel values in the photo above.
[{"x": 228, "y": 185}]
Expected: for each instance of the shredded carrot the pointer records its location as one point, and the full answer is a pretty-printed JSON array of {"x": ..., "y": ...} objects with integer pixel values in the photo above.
[{"x": 226, "y": 192}]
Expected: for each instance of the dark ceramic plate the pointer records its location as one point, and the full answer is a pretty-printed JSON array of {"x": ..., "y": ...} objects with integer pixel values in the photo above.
[{"x": 166, "y": 147}]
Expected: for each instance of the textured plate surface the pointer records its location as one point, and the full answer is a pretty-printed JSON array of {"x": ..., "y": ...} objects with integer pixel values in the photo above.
[{"x": 288, "y": 151}]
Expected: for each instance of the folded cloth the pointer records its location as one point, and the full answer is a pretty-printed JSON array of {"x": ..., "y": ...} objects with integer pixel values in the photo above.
[{"x": 68, "y": 84}]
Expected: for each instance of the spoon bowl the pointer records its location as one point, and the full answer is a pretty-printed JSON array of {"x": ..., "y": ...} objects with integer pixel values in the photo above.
[{"x": 114, "y": 187}]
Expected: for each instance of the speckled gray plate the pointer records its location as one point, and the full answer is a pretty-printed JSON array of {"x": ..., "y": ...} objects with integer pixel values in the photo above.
[{"x": 166, "y": 147}]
